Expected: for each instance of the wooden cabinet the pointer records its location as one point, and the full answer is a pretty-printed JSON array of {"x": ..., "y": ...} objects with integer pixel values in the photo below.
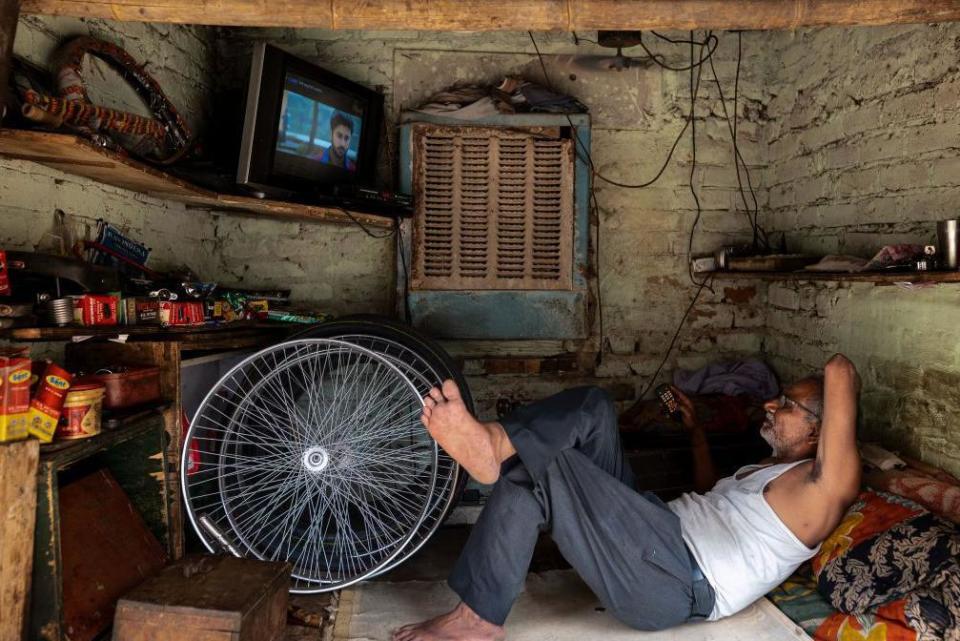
[{"x": 141, "y": 448}]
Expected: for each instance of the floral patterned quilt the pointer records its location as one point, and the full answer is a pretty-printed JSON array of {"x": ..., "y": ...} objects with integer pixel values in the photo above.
[{"x": 882, "y": 545}]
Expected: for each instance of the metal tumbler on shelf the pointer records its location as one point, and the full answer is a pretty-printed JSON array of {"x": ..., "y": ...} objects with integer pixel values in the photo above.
[{"x": 948, "y": 243}]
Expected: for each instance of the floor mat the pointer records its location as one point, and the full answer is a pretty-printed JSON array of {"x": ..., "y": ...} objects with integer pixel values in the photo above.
[{"x": 556, "y": 605}]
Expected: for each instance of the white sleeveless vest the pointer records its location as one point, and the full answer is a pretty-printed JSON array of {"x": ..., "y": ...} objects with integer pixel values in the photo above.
[{"x": 740, "y": 543}]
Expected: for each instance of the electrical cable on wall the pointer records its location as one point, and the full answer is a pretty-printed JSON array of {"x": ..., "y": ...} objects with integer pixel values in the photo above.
[
  {"x": 708, "y": 46},
  {"x": 658, "y": 59},
  {"x": 759, "y": 234},
  {"x": 365, "y": 229},
  {"x": 583, "y": 154},
  {"x": 398, "y": 229},
  {"x": 676, "y": 334},
  {"x": 694, "y": 92}
]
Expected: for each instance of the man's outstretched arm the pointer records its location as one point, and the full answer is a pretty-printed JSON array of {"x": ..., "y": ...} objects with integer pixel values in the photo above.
[
  {"x": 837, "y": 466},
  {"x": 704, "y": 473}
]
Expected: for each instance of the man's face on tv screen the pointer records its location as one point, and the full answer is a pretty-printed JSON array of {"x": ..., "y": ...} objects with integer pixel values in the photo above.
[{"x": 341, "y": 142}]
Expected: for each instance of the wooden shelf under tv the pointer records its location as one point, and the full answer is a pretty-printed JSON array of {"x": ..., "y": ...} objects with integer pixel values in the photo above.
[{"x": 80, "y": 157}]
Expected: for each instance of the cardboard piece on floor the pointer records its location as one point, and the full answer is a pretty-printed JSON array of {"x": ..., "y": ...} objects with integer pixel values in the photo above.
[
  {"x": 556, "y": 605},
  {"x": 106, "y": 549}
]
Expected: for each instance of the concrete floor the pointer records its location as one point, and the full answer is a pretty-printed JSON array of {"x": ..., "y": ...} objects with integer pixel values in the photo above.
[{"x": 312, "y": 617}]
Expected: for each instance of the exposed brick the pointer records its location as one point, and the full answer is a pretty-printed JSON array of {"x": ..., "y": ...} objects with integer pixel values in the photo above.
[
  {"x": 740, "y": 295},
  {"x": 851, "y": 136},
  {"x": 783, "y": 297}
]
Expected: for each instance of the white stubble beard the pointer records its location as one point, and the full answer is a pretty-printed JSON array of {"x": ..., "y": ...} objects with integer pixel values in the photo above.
[{"x": 768, "y": 435}]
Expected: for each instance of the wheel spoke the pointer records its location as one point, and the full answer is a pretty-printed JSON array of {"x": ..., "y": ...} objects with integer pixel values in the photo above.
[{"x": 312, "y": 451}]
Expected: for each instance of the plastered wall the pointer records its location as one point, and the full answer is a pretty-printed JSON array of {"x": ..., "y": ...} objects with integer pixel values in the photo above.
[
  {"x": 864, "y": 150},
  {"x": 851, "y": 136},
  {"x": 337, "y": 268},
  {"x": 637, "y": 114},
  {"x": 30, "y": 194}
]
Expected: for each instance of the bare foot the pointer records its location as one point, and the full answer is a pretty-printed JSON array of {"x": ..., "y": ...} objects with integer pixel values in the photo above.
[
  {"x": 460, "y": 624},
  {"x": 478, "y": 447}
]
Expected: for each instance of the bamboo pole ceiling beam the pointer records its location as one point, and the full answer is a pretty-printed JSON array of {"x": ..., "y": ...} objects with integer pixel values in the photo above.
[{"x": 502, "y": 15}]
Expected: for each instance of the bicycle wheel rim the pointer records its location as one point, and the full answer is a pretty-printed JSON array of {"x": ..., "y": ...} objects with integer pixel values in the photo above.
[{"x": 339, "y": 477}]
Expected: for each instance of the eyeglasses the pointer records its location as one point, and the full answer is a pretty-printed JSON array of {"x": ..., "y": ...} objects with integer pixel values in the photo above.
[{"x": 789, "y": 403}]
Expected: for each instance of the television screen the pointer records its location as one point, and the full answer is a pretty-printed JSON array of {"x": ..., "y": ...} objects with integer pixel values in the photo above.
[
  {"x": 318, "y": 127},
  {"x": 306, "y": 130}
]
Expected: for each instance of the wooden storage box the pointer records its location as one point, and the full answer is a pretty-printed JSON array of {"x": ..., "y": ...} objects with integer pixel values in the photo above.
[{"x": 211, "y": 598}]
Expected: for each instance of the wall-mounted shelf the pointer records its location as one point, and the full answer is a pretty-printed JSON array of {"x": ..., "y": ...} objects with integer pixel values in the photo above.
[
  {"x": 231, "y": 336},
  {"x": 63, "y": 454},
  {"x": 80, "y": 157},
  {"x": 878, "y": 278}
]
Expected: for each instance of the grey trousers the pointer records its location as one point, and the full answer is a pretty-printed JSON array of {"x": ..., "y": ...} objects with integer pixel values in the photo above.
[{"x": 570, "y": 478}]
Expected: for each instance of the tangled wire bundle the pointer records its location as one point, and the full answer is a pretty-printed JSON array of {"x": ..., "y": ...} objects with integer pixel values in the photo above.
[{"x": 163, "y": 138}]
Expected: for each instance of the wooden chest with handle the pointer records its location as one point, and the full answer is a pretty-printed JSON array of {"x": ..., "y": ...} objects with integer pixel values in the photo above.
[{"x": 210, "y": 598}]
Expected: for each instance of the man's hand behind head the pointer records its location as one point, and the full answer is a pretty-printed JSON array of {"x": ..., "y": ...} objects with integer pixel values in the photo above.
[{"x": 842, "y": 370}]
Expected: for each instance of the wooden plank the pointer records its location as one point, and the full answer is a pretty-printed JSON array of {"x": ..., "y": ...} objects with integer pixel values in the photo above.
[
  {"x": 494, "y": 15},
  {"x": 65, "y": 454},
  {"x": 754, "y": 14},
  {"x": 18, "y": 511},
  {"x": 78, "y": 156},
  {"x": 293, "y": 211},
  {"x": 873, "y": 277},
  {"x": 451, "y": 15},
  {"x": 280, "y": 13},
  {"x": 46, "y": 596},
  {"x": 167, "y": 357},
  {"x": 74, "y": 155},
  {"x": 231, "y": 340},
  {"x": 194, "y": 336},
  {"x": 344, "y": 614}
]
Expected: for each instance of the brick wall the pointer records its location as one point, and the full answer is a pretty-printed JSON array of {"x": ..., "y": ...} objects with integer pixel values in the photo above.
[
  {"x": 853, "y": 134},
  {"x": 336, "y": 267},
  {"x": 637, "y": 114},
  {"x": 864, "y": 150},
  {"x": 30, "y": 193}
]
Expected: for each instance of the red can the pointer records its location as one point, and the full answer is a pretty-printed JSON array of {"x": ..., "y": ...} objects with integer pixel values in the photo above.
[{"x": 46, "y": 405}]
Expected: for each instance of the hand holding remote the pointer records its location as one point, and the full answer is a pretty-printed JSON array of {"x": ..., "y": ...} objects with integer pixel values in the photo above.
[{"x": 687, "y": 413}]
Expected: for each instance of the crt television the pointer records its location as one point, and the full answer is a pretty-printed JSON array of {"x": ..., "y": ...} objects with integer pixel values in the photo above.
[{"x": 306, "y": 130}]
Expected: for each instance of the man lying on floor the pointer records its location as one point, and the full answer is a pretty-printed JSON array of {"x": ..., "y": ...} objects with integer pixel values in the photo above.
[{"x": 558, "y": 467}]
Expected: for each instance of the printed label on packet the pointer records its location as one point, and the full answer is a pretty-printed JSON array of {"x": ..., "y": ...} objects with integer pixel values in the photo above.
[{"x": 48, "y": 402}]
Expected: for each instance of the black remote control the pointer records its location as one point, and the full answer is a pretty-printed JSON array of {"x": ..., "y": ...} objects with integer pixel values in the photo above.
[{"x": 668, "y": 402}]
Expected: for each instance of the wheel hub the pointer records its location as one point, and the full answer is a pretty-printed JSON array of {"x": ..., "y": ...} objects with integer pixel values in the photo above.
[{"x": 316, "y": 459}]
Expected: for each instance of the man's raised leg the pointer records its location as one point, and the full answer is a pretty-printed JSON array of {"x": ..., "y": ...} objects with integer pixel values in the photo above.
[
  {"x": 583, "y": 418},
  {"x": 493, "y": 565}
]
